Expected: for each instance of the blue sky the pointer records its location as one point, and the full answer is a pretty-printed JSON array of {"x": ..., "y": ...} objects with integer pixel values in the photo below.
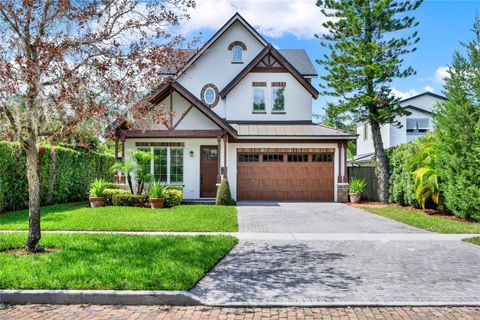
[{"x": 443, "y": 25}]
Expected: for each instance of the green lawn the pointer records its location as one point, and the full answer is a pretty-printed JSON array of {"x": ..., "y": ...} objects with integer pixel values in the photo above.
[
  {"x": 475, "y": 240},
  {"x": 111, "y": 261},
  {"x": 79, "y": 216},
  {"x": 424, "y": 221}
]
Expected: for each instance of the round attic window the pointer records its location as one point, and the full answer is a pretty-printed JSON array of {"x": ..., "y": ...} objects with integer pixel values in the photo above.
[{"x": 209, "y": 95}]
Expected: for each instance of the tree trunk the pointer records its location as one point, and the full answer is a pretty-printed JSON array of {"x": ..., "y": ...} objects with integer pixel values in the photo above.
[
  {"x": 33, "y": 239},
  {"x": 381, "y": 169}
]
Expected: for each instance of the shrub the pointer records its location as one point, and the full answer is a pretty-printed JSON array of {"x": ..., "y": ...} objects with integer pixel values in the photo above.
[
  {"x": 65, "y": 174},
  {"x": 224, "y": 196},
  {"x": 173, "y": 198},
  {"x": 356, "y": 185},
  {"x": 129, "y": 200},
  {"x": 402, "y": 189},
  {"x": 108, "y": 193},
  {"x": 157, "y": 189},
  {"x": 114, "y": 186}
]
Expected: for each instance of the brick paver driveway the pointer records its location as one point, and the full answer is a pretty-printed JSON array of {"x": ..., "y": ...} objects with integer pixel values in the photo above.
[
  {"x": 344, "y": 272},
  {"x": 48, "y": 312},
  {"x": 313, "y": 218}
]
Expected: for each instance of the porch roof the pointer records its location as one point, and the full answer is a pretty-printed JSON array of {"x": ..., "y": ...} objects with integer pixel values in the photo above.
[{"x": 292, "y": 131}]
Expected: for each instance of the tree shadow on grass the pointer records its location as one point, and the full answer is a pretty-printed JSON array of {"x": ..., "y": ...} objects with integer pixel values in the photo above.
[{"x": 269, "y": 271}]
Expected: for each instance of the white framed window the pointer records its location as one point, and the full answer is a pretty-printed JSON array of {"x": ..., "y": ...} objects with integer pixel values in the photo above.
[
  {"x": 237, "y": 53},
  {"x": 258, "y": 99},
  {"x": 417, "y": 126},
  {"x": 209, "y": 96},
  {"x": 167, "y": 164},
  {"x": 278, "y": 98}
]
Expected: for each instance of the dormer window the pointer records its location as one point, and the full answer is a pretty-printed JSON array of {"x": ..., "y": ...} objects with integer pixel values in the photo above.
[{"x": 237, "y": 49}]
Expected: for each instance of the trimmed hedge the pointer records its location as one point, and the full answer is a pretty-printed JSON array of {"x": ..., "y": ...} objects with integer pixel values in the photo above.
[
  {"x": 74, "y": 172},
  {"x": 173, "y": 197},
  {"x": 224, "y": 196},
  {"x": 129, "y": 200},
  {"x": 109, "y": 193}
]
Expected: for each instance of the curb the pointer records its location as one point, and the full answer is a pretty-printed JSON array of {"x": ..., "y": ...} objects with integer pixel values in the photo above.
[
  {"x": 185, "y": 298},
  {"x": 100, "y": 297}
]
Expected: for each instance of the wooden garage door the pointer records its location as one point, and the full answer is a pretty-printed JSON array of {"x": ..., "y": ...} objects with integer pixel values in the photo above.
[{"x": 285, "y": 176}]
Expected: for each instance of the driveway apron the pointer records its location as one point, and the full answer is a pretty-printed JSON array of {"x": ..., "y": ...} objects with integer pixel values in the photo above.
[{"x": 339, "y": 272}]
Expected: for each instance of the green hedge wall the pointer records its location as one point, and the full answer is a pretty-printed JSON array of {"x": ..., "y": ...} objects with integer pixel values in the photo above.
[
  {"x": 402, "y": 189},
  {"x": 75, "y": 170}
]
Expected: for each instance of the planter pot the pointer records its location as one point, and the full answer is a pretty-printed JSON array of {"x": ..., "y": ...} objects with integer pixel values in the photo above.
[
  {"x": 355, "y": 197},
  {"x": 96, "y": 202},
  {"x": 156, "y": 203}
]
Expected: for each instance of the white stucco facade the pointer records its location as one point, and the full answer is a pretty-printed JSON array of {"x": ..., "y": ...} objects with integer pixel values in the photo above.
[{"x": 420, "y": 107}]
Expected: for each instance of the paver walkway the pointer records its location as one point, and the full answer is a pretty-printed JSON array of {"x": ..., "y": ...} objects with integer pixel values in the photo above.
[
  {"x": 385, "y": 262},
  {"x": 49, "y": 312}
]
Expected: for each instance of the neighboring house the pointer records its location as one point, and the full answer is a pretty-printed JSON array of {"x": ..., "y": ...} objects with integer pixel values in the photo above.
[
  {"x": 243, "y": 109},
  {"x": 415, "y": 125}
]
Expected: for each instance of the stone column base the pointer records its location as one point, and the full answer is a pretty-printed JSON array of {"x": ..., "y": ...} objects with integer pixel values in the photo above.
[{"x": 342, "y": 192}]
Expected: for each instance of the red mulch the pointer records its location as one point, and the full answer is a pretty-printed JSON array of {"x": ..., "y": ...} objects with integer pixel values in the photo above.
[
  {"x": 430, "y": 212},
  {"x": 23, "y": 252}
]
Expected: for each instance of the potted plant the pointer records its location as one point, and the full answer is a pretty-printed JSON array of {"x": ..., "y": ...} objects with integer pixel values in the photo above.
[
  {"x": 97, "y": 188},
  {"x": 355, "y": 189},
  {"x": 157, "y": 194}
]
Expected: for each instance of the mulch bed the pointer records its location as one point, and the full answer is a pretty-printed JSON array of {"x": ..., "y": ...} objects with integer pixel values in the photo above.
[
  {"x": 429, "y": 212},
  {"x": 23, "y": 252}
]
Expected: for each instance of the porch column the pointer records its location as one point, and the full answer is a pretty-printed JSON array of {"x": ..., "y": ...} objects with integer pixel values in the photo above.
[
  {"x": 225, "y": 147},
  {"x": 342, "y": 180},
  {"x": 123, "y": 177},
  {"x": 219, "y": 173}
]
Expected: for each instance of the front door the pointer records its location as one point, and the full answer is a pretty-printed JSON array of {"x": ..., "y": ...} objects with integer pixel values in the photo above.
[{"x": 208, "y": 171}]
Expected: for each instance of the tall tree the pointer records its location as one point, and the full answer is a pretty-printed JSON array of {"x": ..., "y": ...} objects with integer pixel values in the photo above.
[
  {"x": 64, "y": 64},
  {"x": 457, "y": 129},
  {"x": 367, "y": 40}
]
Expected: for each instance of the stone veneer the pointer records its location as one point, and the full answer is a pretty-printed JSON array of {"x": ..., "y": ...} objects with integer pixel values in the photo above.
[{"x": 342, "y": 192}]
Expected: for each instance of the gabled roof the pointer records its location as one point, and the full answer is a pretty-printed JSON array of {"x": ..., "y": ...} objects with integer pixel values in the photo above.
[
  {"x": 269, "y": 49},
  {"x": 300, "y": 60},
  {"x": 426, "y": 93},
  {"x": 417, "y": 109},
  {"x": 164, "y": 91},
  {"x": 236, "y": 17}
]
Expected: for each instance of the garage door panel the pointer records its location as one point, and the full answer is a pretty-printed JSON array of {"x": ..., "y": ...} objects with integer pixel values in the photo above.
[{"x": 285, "y": 181}]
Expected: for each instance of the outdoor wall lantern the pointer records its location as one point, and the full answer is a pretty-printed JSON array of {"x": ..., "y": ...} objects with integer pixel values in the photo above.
[{"x": 191, "y": 153}]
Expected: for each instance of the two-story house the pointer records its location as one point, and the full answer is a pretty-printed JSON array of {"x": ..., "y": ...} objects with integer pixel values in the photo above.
[
  {"x": 415, "y": 125},
  {"x": 242, "y": 109}
]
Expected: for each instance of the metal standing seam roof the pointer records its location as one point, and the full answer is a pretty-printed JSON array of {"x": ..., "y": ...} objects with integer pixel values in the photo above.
[{"x": 290, "y": 130}]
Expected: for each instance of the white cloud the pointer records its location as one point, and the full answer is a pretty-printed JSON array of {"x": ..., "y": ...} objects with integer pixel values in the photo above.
[
  {"x": 302, "y": 18},
  {"x": 440, "y": 74},
  {"x": 404, "y": 94},
  {"x": 429, "y": 89}
]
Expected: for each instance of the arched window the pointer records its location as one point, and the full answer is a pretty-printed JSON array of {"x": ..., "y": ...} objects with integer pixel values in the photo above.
[
  {"x": 237, "y": 48},
  {"x": 237, "y": 53}
]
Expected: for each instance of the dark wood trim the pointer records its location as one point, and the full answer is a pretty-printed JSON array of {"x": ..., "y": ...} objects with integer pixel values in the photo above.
[
  {"x": 259, "y": 84},
  {"x": 259, "y": 112},
  {"x": 219, "y": 170},
  {"x": 237, "y": 43},
  {"x": 159, "y": 144},
  {"x": 171, "y": 108},
  {"x": 182, "y": 117},
  {"x": 237, "y": 62},
  {"x": 123, "y": 148},
  {"x": 225, "y": 147},
  {"x": 172, "y": 133},
  {"x": 270, "y": 50},
  {"x": 161, "y": 93},
  {"x": 116, "y": 150},
  {"x": 339, "y": 178},
  {"x": 236, "y": 140},
  {"x": 269, "y": 70},
  {"x": 279, "y": 112}
]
